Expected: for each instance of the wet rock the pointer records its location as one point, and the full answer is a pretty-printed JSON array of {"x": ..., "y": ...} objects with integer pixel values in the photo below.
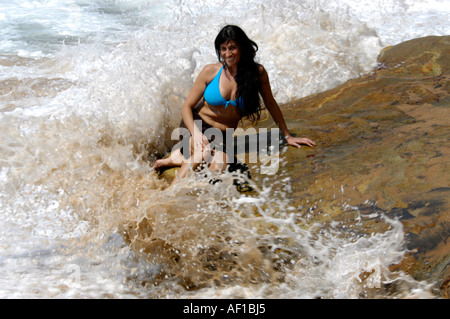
[{"x": 383, "y": 145}]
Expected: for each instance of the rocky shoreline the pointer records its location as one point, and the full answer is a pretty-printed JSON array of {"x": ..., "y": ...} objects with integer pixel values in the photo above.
[
  {"x": 383, "y": 149},
  {"x": 383, "y": 144}
]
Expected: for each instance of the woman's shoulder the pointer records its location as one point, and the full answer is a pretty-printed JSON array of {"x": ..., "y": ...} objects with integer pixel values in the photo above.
[
  {"x": 261, "y": 69},
  {"x": 263, "y": 76},
  {"x": 212, "y": 68},
  {"x": 209, "y": 71}
]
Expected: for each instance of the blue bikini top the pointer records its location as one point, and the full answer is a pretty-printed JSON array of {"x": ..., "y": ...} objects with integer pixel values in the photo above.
[{"x": 213, "y": 96}]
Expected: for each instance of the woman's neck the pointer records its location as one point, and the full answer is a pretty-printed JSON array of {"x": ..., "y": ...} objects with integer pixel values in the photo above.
[{"x": 232, "y": 71}]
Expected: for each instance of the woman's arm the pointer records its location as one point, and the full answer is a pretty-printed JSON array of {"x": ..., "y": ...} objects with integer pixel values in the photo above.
[
  {"x": 192, "y": 100},
  {"x": 274, "y": 110}
]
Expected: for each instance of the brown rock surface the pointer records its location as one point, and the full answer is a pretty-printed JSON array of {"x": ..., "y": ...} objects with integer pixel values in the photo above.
[{"x": 383, "y": 146}]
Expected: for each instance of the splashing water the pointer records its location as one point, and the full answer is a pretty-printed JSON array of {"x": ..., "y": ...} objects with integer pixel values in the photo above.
[{"x": 90, "y": 97}]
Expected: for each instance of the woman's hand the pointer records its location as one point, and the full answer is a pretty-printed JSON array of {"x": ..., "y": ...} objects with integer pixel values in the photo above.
[
  {"x": 201, "y": 147},
  {"x": 297, "y": 141},
  {"x": 200, "y": 140}
]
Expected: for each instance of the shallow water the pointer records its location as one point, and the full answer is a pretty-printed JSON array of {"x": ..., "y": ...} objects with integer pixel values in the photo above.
[{"x": 89, "y": 94}]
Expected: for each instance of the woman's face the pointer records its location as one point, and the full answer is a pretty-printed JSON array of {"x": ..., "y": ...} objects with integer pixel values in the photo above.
[{"x": 230, "y": 53}]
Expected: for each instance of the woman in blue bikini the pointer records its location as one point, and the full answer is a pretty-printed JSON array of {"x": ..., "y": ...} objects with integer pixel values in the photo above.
[{"x": 222, "y": 95}]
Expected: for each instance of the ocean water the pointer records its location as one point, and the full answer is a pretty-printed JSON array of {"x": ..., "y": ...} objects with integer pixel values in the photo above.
[{"x": 90, "y": 92}]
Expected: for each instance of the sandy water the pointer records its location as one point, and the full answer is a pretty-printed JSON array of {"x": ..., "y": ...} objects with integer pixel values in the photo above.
[{"x": 90, "y": 92}]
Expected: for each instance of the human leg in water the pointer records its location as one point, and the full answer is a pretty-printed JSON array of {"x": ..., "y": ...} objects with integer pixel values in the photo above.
[{"x": 174, "y": 159}]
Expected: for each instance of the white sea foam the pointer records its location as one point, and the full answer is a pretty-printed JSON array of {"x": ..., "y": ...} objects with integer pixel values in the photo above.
[{"x": 92, "y": 87}]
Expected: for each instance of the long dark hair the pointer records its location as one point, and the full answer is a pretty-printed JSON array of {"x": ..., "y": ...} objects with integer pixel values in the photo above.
[{"x": 247, "y": 77}]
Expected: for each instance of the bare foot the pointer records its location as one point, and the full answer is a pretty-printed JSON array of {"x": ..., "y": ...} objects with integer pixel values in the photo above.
[
  {"x": 175, "y": 159},
  {"x": 162, "y": 163}
]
